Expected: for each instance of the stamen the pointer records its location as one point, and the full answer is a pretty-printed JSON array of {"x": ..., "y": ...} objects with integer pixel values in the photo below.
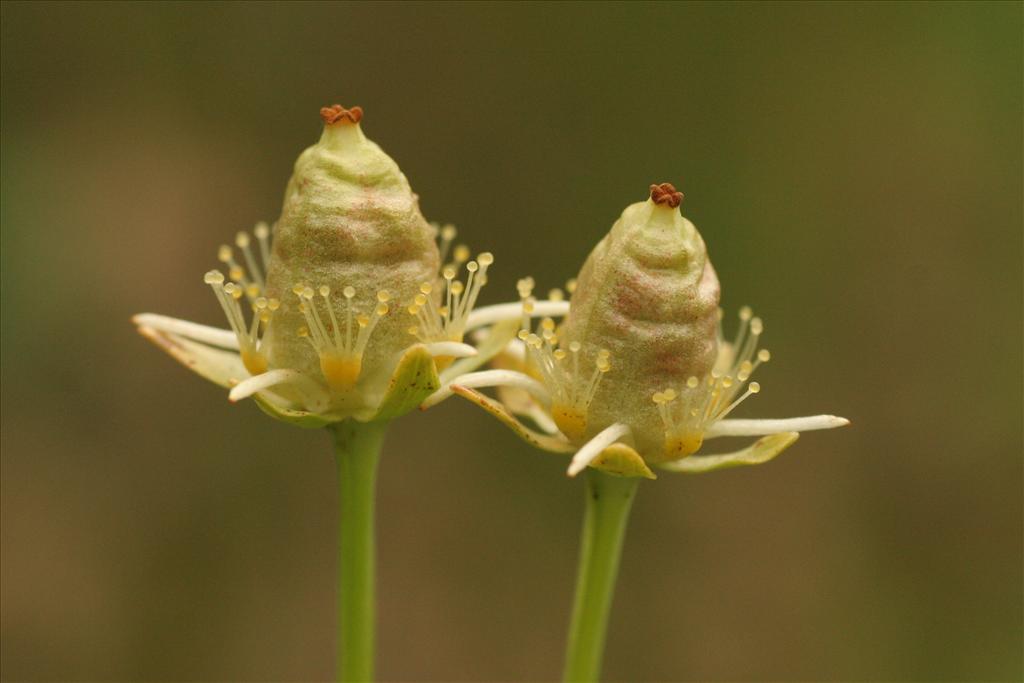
[
  {"x": 252, "y": 280},
  {"x": 447, "y": 321},
  {"x": 704, "y": 402},
  {"x": 341, "y": 355},
  {"x": 447, "y": 234},
  {"x": 248, "y": 336}
]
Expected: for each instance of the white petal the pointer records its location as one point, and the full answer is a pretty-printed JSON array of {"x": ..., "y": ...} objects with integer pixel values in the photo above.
[
  {"x": 225, "y": 339},
  {"x": 220, "y": 366},
  {"x": 762, "y": 427},
  {"x": 596, "y": 446},
  {"x": 315, "y": 397},
  {"x": 493, "y": 342},
  {"x": 491, "y": 378},
  {"x": 449, "y": 348},
  {"x": 492, "y": 314}
]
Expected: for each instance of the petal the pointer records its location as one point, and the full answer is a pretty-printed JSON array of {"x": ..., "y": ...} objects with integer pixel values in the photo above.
[
  {"x": 762, "y": 427},
  {"x": 593, "y": 448},
  {"x": 555, "y": 444},
  {"x": 213, "y": 336},
  {"x": 217, "y": 365},
  {"x": 491, "y": 378},
  {"x": 761, "y": 451},
  {"x": 498, "y": 337},
  {"x": 514, "y": 311},
  {"x": 622, "y": 460},
  {"x": 452, "y": 349},
  {"x": 312, "y": 395},
  {"x": 414, "y": 379}
]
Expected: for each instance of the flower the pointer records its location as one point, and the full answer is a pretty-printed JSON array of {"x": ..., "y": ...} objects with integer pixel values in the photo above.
[
  {"x": 353, "y": 311},
  {"x": 638, "y": 373}
]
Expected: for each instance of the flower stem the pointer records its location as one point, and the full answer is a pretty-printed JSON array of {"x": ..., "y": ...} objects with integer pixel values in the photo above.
[
  {"x": 608, "y": 500},
  {"x": 357, "y": 447}
]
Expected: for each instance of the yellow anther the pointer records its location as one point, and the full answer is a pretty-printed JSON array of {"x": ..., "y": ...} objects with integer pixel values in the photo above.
[
  {"x": 413, "y": 310},
  {"x": 427, "y": 288},
  {"x": 547, "y": 324},
  {"x": 746, "y": 313},
  {"x": 325, "y": 291},
  {"x": 764, "y": 355},
  {"x": 363, "y": 320},
  {"x": 214, "y": 277},
  {"x": 262, "y": 231},
  {"x": 349, "y": 292},
  {"x": 297, "y": 289},
  {"x": 383, "y": 296},
  {"x": 382, "y": 309},
  {"x": 448, "y": 233},
  {"x": 754, "y": 387},
  {"x": 756, "y": 326},
  {"x": 273, "y": 304},
  {"x": 556, "y": 295},
  {"x": 570, "y": 285},
  {"x": 224, "y": 253},
  {"x": 461, "y": 253},
  {"x": 242, "y": 239},
  {"x": 236, "y": 273},
  {"x": 485, "y": 259},
  {"x": 472, "y": 266},
  {"x": 575, "y": 346},
  {"x": 253, "y": 290},
  {"x": 692, "y": 382},
  {"x": 559, "y": 354},
  {"x": 457, "y": 288},
  {"x": 420, "y": 300}
]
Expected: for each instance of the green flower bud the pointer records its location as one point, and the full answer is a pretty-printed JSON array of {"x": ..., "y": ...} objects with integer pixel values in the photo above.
[
  {"x": 352, "y": 314},
  {"x": 350, "y": 247},
  {"x": 647, "y": 301}
]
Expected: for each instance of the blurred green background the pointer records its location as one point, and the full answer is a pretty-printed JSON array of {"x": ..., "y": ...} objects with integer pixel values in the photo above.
[{"x": 855, "y": 170}]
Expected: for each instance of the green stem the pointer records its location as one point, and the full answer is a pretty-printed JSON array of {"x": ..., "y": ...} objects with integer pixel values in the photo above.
[
  {"x": 357, "y": 447},
  {"x": 608, "y": 501}
]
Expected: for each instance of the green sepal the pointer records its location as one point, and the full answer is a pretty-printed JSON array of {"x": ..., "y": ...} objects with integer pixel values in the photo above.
[
  {"x": 298, "y": 418},
  {"x": 411, "y": 383},
  {"x": 623, "y": 461},
  {"x": 761, "y": 451}
]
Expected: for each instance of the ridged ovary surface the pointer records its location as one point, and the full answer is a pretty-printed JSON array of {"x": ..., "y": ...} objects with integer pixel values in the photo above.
[
  {"x": 649, "y": 294},
  {"x": 349, "y": 219}
]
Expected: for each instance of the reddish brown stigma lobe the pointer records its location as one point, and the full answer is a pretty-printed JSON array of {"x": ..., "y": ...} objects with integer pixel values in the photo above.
[
  {"x": 338, "y": 114},
  {"x": 666, "y": 195}
]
